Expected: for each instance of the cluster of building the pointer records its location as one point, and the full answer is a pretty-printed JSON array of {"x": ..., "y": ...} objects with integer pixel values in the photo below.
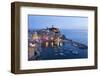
[
  {"x": 49, "y": 37},
  {"x": 46, "y": 37}
]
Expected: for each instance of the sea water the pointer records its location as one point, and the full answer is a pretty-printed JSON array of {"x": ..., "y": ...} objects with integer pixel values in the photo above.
[{"x": 77, "y": 35}]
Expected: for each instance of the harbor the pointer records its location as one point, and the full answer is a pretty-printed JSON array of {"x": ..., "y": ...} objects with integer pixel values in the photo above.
[{"x": 50, "y": 43}]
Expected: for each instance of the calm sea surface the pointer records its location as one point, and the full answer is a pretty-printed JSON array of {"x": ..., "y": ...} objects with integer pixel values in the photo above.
[{"x": 76, "y": 35}]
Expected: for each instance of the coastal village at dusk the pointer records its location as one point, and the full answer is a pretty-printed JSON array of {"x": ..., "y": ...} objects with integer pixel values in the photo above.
[{"x": 49, "y": 38}]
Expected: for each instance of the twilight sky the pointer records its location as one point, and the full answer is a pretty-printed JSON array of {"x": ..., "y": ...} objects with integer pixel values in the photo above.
[{"x": 62, "y": 22}]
